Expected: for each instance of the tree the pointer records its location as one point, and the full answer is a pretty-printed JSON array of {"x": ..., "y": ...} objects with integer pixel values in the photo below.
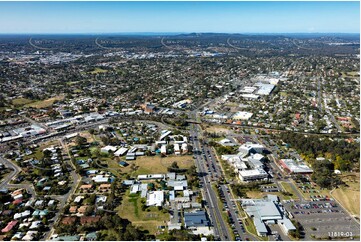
[
  {"x": 151, "y": 186},
  {"x": 174, "y": 165},
  {"x": 80, "y": 141},
  {"x": 47, "y": 153},
  {"x": 89, "y": 210},
  {"x": 323, "y": 174},
  {"x": 132, "y": 234}
]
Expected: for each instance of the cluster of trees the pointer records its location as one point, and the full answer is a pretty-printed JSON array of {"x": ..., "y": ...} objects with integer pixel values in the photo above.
[
  {"x": 344, "y": 155},
  {"x": 242, "y": 188},
  {"x": 323, "y": 174},
  {"x": 299, "y": 232},
  {"x": 183, "y": 235},
  {"x": 178, "y": 122},
  {"x": 223, "y": 150},
  {"x": 192, "y": 176},
  {"x": 112, "y": 227},
  {"x": 175, "y": 168}
]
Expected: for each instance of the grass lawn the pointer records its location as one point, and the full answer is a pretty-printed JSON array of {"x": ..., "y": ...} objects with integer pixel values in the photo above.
[
  {"x": 217, "y": 139},
  {"x": 283, "y": 94},
  {"x": 45, "y": 103},
  {"x": 256, "y": 194},
  {"x": 349, "y": 196},
  {"x": 289, "y": 189},
  {"x": 37, "y": 154},
  {"x": 113, "y": 166},
  {"x": 217, "y": 129},
  {"x": 350, "y": 74},
  {"x": 147, "y": 220},
  {"x": 147, "y": 164},
  {"x": 98, "y": 70},
  {"x": 249, "y": 226},
  {"x": 89, "y": 137},
  {"x": 21, "y": 101},
  {"x": 350, "y": 199},
  {"x": 158, "y": 164},
  {"x": 71, "y": 83}
]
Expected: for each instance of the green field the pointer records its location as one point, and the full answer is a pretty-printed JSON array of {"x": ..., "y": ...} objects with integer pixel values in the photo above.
[
  {"x": 284, "y": 94},
  {"x": 349, "y": 196},
  {"x": 289, "y": 189},
  {"x": 145, "y": 165},
  {"x": 45, "y": 103},
  {"x": 350, "y": 74},
  {"x": 98, "y": 70},
  {"x": 21, "y": 101},
  {"x": 131, "y": 209},
  {"x": 158, "y": 164}
]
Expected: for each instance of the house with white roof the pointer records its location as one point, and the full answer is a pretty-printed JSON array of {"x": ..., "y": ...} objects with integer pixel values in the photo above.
[
  {"x": 155, "y": 198},
  {"x": 108, "y": 148}
]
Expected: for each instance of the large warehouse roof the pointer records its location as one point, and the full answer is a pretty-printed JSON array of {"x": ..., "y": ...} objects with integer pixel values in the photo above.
[{"x": 264, "y": 210}]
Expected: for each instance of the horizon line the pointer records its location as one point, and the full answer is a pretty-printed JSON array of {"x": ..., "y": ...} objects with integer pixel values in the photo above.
[{"x": 173, "y": 33}]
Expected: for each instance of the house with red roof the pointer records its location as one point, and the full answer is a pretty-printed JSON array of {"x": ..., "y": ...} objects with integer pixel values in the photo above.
[{"x": 10, "y": 226}]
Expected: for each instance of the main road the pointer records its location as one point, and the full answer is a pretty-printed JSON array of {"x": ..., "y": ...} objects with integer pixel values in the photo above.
[
  {"x": 15, "y": 171},
  {"x": 209, "y": 194},
  {"x": 65, "y": 199}
]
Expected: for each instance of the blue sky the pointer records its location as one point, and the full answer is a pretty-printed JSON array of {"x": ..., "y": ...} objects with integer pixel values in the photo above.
[{"x": 224, "y": 17}]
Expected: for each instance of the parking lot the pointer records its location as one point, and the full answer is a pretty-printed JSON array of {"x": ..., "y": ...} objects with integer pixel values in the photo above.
[
  {"x": 232, "y": 213},
  {"x": 321, "y": 218}
]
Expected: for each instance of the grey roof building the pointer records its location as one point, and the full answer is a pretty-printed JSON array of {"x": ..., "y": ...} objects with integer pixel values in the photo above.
[{"x": 196, "y": 219}]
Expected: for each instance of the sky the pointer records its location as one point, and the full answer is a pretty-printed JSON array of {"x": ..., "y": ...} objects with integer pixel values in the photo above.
[{"x": 221, "y": 17}]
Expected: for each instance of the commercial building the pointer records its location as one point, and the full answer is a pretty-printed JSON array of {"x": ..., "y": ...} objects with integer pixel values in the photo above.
[
  {"x": 121, "y": 151},
  {"x": 252, "y": 175},
  {"x": 286, "y": 225},
  {"x": 31, "y": 130},
  {"x": 264, "y": 89},
  {"x": 255, "y": 161},
  {"x": 242, "y": 116},
  {"x": 247, "y": 89},
  {"x": 250, "y": 96},
  {"x": 295, "y": 167},
  {"x": 267, "y": 211},
  {"x": 195, "y": 219},
  {"x": 249, "y": 148}
]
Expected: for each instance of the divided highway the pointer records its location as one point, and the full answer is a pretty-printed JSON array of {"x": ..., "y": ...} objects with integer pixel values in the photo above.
[{"x": 209, "y": 194}]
